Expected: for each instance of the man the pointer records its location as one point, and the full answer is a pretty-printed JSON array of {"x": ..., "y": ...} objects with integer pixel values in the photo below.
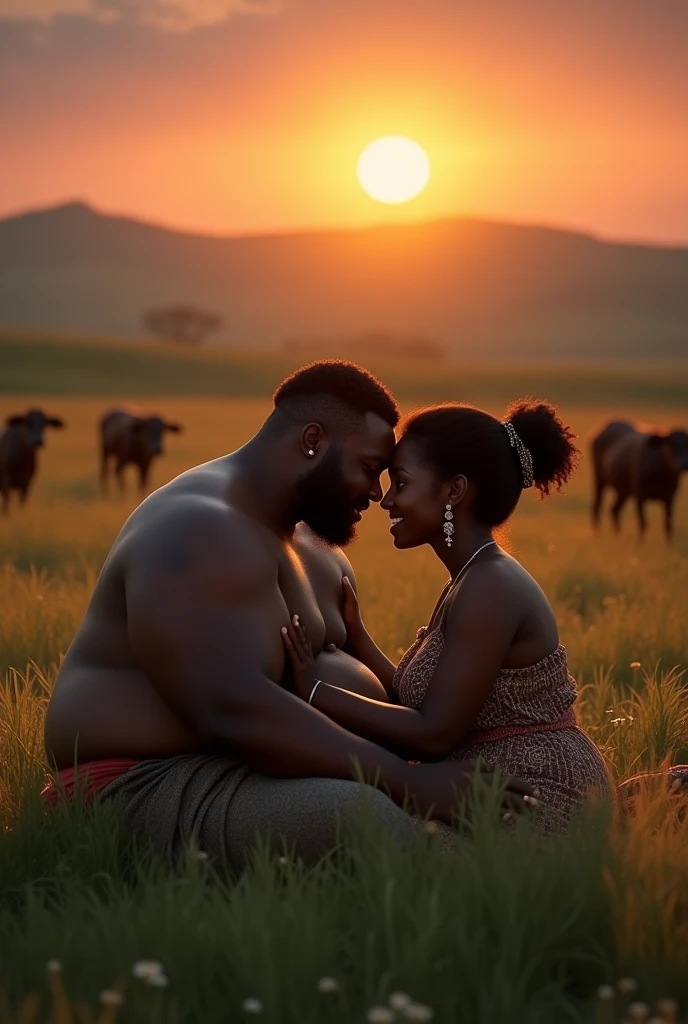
[{"x": 178, "y": 669}]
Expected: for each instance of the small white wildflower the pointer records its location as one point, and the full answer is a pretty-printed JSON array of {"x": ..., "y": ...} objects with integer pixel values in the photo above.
[
  {"x": 328, "y": 985},
  {"x": 54, "y": 966},
  {"x": 380, "y": 1015},
  {"x": 252, "y": 1006},
  {"x": 605, "y": 992},
  {"x": 638, "y": 1011},
  {"x": 399, "y": 1001},
  {"x": 146, "y": 969},
  {"x": 201, "y": 856},
  {"x": 627, "y": 985},
  {"x": 109, "y": 997},
  {"x": 419, "y": 1013},
  {"x": 158, "y": 981},
  {"x": 282, "y": 861}
]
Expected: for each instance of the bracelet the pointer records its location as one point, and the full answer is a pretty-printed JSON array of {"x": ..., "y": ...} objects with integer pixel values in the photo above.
[{"x": 317, "y": 684}]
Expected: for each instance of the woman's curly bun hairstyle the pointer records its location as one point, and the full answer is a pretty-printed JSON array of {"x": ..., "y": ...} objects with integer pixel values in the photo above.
[{"x": 458, "y": 439}]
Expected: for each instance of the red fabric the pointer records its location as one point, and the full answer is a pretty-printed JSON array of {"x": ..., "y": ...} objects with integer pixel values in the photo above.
[
  {"x": 92, "y": 776},
  {"x": 567, "y": 721}
]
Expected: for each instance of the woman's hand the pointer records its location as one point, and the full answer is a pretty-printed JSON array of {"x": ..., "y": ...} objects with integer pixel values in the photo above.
[
  {"x": 351, "y": 613},
  {"x": 301, "y": 656}
]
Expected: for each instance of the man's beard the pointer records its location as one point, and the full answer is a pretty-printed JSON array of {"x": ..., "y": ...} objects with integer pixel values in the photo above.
[{"x": 323, "y": 501}]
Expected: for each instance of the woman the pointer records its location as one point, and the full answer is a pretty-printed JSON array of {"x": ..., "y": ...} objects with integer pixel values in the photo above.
[{"x": 487, "y": 676}]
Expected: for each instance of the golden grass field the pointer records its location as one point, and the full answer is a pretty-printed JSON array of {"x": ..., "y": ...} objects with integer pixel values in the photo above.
[{"x": 622, "y": 609}]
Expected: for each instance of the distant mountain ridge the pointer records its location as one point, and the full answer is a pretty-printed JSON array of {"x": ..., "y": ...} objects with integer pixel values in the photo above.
[{"x": 486, "y": 290}]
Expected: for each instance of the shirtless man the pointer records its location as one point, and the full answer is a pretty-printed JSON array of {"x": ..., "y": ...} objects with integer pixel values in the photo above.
[{"x": 178, "y": 670}]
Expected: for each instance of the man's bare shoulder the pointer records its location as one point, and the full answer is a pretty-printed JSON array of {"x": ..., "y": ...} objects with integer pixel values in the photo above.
[{"x": 201, "y": 536}]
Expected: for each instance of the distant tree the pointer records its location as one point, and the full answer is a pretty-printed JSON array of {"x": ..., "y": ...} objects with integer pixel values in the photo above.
[{"x": 185, "y": 325}]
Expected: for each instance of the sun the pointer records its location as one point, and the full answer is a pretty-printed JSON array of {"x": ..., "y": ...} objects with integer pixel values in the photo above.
[{"x": 393, "y": 169}]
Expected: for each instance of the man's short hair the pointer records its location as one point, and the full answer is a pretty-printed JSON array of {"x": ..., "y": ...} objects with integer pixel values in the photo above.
[{"x": 336, "y": 392}]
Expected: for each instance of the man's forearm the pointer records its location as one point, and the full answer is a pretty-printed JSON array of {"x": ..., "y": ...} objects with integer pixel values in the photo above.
[{"x": 300, "y": 742}]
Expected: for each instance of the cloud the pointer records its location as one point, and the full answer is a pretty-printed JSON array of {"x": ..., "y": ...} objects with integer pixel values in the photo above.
[{"x": 167, "y": 15}]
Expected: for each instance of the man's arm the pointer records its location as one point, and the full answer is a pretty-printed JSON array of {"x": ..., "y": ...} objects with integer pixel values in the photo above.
[{"x": 203, "y": 611}]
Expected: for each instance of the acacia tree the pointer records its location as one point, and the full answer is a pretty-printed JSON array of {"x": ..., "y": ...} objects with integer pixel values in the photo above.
[{"x": 185, "y": 325}]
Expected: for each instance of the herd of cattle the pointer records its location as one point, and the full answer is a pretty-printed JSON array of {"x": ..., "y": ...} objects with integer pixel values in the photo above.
[
  {"x": 640, "y": 464},
  {"x": 124, "y": 439}
]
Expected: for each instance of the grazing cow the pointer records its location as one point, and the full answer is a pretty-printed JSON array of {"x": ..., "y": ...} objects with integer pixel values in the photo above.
[
  {"x": 644, "y": 465},
  {"x": 128, "y": 438},
  {"x": 19, "y": 441}
]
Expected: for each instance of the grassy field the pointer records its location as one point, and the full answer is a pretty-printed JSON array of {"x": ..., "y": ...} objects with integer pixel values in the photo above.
[
  {"x": 499, "y": 929},
  {"x": 57, "y": 365}
]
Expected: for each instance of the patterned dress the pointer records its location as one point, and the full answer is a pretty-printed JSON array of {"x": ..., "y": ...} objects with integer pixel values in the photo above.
[{"x": 526, "y": 727}]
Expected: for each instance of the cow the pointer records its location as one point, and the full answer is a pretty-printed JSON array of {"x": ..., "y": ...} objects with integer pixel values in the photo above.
[
  {"x": 19, "y": 442},
  {"x": 641, "y": 464},
  {"x": 128, "y": 438}
]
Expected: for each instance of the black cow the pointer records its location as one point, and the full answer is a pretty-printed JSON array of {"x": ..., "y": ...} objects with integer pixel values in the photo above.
[
  {"x": 19, "y": 442},
  {"x": 129, "y": 438},
  {"x": 640, "y": 464}
]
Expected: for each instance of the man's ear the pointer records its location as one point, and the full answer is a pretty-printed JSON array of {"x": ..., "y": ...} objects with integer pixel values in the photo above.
[
  {"x": 457, "y": 489},
  {"x": 312, "y": 438},
  {"x": 15, "y": 421},
  {"x": 174, "y": 428},
  {"x": 54, "y": 421}
]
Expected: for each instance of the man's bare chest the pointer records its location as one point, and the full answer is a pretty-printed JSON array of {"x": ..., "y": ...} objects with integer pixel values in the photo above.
[{"x": 310, "y": 583}]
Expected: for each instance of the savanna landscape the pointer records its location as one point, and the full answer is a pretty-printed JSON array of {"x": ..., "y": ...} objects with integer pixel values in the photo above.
[
  {"x": 477, "y": 202},
  {"x": 499, "y": 928}
]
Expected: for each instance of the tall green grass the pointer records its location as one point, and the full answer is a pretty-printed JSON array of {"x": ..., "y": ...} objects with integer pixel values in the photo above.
[{"x": 499, "y": 927}]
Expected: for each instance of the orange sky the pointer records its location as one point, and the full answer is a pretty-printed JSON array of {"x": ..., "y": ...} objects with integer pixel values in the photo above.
[{"x": 248, "y": 115}]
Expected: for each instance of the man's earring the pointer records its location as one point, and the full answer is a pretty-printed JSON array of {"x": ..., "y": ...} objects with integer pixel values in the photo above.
[
  {"x": 311, "y": 452},
  {"x": 448, "y": 526}
]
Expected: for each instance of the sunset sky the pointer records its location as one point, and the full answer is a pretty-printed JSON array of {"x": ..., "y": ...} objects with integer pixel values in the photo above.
[{"x": 241, "y": 116}]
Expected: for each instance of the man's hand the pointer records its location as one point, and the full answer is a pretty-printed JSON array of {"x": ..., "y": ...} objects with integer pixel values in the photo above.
[
  {"x": 439, "y": 789},
  {"x": 300, "y": 654}
]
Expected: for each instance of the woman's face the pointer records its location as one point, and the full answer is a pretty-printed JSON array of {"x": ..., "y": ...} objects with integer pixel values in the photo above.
[{"x": 414, "y": 500}]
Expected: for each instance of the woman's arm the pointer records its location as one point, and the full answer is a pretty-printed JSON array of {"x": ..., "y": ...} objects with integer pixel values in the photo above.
[
  {"x": 359, "y": 642},
  {"x": 480, "y": 626}
]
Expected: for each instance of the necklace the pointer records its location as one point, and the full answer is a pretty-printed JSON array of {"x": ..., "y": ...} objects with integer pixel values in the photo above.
[
  {"x": 442, "y": 600},
  {"x": 474, "y": 555}
]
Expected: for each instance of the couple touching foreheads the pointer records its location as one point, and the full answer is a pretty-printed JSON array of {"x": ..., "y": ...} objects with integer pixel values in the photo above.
[{"x": 222, "y": 684}]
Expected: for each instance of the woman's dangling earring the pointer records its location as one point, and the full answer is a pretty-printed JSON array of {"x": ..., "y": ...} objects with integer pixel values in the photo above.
[{"x": 448, "y": 526}]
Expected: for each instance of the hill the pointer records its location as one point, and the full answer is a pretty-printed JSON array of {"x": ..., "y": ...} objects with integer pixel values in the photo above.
[{"x": 485, "y": 290}]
